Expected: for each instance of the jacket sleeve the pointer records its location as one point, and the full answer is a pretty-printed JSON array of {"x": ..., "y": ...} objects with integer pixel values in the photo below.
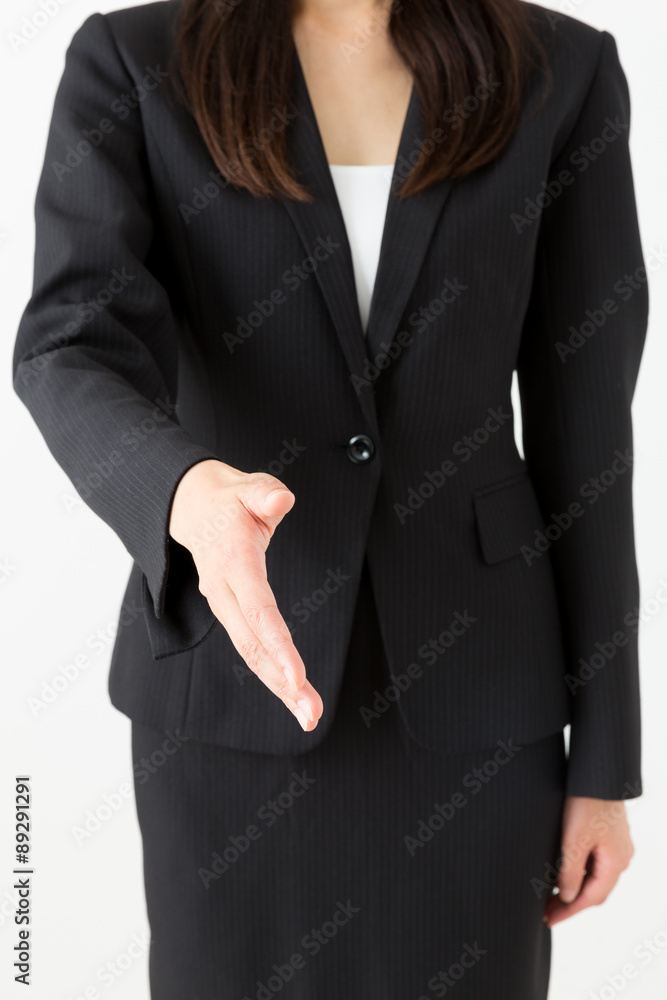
[
  {"x": 95, "y": 358},
  {"x": 578, "y": 363}
]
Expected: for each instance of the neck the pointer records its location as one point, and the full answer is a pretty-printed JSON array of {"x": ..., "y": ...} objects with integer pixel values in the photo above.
[{"x": 340, "y": 9}]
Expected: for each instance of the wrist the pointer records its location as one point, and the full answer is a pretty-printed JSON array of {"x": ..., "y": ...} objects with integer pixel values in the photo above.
[{"x": 190, "y": 494}]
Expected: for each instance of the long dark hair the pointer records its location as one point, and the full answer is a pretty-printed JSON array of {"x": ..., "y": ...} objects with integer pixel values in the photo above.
[{"x": 234, "y": 59}]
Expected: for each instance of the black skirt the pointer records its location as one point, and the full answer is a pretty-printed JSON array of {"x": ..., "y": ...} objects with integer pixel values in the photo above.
[{"x": 368, "y": 867}]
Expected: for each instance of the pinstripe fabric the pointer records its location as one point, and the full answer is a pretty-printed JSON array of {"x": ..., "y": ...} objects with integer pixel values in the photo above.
[
  {"x": 185, "y": 355},
  {"x": 390, "y": 870}
]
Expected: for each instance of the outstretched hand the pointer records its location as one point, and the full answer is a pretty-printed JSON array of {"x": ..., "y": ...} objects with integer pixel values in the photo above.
[{"x": 226, "y": 519}]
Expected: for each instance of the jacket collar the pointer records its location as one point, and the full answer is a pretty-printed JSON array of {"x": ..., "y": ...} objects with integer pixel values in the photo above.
[{"x": 407, "y": 231}]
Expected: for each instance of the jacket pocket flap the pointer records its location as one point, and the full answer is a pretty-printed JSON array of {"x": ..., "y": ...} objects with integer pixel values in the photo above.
[{"x": 507, "y": 516}]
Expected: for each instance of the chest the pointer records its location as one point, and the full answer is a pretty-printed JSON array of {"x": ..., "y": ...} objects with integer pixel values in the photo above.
[{"x": 359, "y": 88}]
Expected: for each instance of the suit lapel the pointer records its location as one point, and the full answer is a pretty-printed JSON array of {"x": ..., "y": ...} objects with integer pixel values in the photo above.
[
  {"x": 408, "y": 227},
  {"x": 322, "y": 219},
  {"x": 407, "y": 230}
]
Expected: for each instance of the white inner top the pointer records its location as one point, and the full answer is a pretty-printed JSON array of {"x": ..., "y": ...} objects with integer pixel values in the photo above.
[{"x": 363, "y": 194}]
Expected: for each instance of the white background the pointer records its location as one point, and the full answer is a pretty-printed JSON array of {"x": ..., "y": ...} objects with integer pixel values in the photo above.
[{"x": 68, "y": 572}]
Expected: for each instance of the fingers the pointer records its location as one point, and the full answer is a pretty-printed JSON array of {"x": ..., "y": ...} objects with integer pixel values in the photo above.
[
  {"x": 246, "y": 606},
  {"x": 581, "y": 889},
  {"x": 260, "y": 661},
  {"x": 594, "y": 891},
  {"x": 571, "y": 876},
  {"x": 232, "y": 577},
  {"x": 246, "y": 577}
]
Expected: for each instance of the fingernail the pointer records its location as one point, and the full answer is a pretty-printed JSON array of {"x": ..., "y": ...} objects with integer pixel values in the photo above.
[
  {"x": 305, "y": 706},
  {"x": 303, "y": 721},
  {"x": 291, "y": 679},
  {"x": 567, "y": 897}
]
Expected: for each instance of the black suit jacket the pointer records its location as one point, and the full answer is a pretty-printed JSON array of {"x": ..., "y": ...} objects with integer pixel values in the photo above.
[{"x": 174, "y": 319}]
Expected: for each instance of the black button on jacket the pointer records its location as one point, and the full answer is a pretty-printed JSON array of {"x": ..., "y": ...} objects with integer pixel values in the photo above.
[{"x": 175, "y": 319}]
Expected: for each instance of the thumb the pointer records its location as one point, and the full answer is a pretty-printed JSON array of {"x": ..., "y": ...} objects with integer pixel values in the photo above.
[
  {"x": 272, "y": 499},
  {"x": 571, "y": 876}
]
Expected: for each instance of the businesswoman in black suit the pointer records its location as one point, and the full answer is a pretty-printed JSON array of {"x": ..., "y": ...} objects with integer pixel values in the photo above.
[{"x": 358, "y": 620}]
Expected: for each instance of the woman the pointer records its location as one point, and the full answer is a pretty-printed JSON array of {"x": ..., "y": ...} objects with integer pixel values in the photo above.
[{"x": 288, "y": 258}]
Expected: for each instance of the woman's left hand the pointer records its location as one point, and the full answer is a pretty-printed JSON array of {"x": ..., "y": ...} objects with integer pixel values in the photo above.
[{"x": 595, "y": 849}]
